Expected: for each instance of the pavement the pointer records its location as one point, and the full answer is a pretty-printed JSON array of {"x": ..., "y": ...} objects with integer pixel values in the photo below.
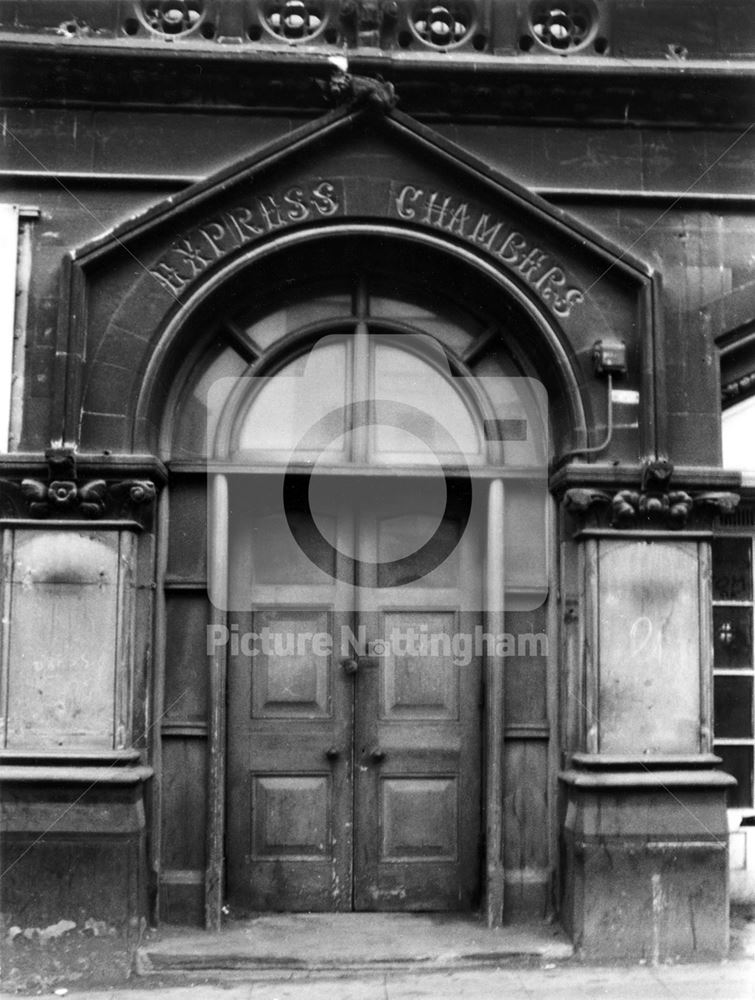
[
  {"x": 406, "y": 957},
  {"x": 719, "y": 981}
]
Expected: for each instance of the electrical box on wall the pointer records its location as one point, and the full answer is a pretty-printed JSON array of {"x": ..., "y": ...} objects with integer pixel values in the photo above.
[{"x": 610, "y": 357}]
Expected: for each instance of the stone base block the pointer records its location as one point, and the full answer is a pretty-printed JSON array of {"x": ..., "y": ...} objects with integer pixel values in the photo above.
[
  {"x": 73, "y": 855},
  {"x": 646, "y": 873}
]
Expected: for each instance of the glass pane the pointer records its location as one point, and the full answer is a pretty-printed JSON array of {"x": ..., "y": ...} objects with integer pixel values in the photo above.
[
  {"x": 737, "y": 761},
  {"x": 737, "y": 430},
  {"x": 422, "y": 543},
  {"x": 442, "y": 416},
  {"x": 732, "y": 638},
  {"x": 732, "y": 569},
  {"x": 194, "y": 428},
  {"x": 732, "y": 698},
  {"x": 291, "y": 403},
  {"x": 451, "y": 331},
  {"x": 269, "y": 329}
]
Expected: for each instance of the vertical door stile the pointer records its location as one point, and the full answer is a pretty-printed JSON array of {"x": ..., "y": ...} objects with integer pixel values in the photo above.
[
  {"x": 494, "y": 721},
  {"x": 218, "y": 578}
]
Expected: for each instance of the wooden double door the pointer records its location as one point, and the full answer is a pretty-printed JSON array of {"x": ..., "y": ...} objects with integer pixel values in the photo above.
[{"x": 354, "y": 713}]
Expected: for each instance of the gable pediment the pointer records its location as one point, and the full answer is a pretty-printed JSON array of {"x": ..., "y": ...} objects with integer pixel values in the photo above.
[
  {"x": 370, "y": 167},
  {"x": 348, "y": 172}
]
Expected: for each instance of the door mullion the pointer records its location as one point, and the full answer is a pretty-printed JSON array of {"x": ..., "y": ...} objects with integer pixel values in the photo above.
[
  {"x": 360, "y": 354},
  {"x": 366, "y": 811}
]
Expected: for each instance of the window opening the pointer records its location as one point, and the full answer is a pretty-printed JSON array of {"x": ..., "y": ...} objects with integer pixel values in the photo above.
[{"x": 734, "y": 666}]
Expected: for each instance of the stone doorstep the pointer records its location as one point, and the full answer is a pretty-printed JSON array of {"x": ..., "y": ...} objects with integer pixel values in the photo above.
[{"x": 351, "y": 942}]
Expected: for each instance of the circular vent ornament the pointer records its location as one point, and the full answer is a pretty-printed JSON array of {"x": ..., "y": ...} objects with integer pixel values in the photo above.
[
  {"x": 562, "y": 27},
  {"x": 442, "y": 25},
  {"x": 294, "y": 20},
  {"x": 172, "y": 17}
]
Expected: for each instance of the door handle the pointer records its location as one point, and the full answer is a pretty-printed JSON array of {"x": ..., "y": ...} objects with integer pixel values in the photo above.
[
  {"x": 349, "y": 666},
  {"x": 377, "y": 754},
  {"x": 332, "y": 753}
]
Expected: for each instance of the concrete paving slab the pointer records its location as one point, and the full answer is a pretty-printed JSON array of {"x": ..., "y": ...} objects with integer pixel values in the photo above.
[
  {"x": 352, "y": 941},
  {"x": 725, "y": 981}
]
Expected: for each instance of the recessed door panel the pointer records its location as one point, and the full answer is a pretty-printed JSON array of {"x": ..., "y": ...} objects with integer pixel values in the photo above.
[
  {"x": 291, "y": 676},
  {"x": 291, "y": 816},
  {"x": 419, "y": 819},
  {"x": 419, "y": 677}
]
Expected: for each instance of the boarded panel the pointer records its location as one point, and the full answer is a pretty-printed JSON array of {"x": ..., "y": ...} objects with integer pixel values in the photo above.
[
  {"x": 186, "y": 661},
  {"x": 526, "y": 830},
  {"x": 62, "y": 649},
  {"x": 187, "y": 544},
  {"x": 649, "y": 635},
  {"x": 184, "y": 802},
  {"x": 526, "y": 668}
]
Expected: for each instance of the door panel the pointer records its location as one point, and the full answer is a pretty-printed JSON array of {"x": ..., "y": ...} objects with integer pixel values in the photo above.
[
  {"x": 353, "y": 790},
  {"x": 290, "y": 721},
  {"x": 418, "y": 744}
]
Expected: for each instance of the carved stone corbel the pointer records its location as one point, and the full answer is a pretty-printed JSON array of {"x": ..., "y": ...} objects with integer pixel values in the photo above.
[
  {"x": 63, "y": 497},
  {"x": 579, "y": 500},
  {"x": 654, "y": 504},
  {"x": 721, "y": 503},
  {"x": 361, "y": 91},
  {"x": 130, "y": 493}
]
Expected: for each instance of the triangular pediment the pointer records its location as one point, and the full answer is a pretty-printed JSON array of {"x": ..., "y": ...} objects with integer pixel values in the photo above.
[
  {"x": 366, "y": 165},
  {"x": 349, "y": 172}
]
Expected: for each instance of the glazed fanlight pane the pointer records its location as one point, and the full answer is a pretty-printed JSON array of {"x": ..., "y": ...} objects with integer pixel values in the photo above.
[
  {"x": 290, "y": 406},
  {"x": 440, "y": 423},
  {"x": 196, "y": 425},
  {"x": 271, "y": 328},
  {"x": 415, "y": 412},
  {"x": 452, "y": 332}
]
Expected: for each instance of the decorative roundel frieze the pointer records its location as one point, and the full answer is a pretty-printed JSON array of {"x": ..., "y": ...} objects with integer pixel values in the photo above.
[
  {"x": 172, "y": 17},
  {"x": 443, "y": 26},
  {"x": 294, "y": 20},
  {"x": 561, "y": 27}
]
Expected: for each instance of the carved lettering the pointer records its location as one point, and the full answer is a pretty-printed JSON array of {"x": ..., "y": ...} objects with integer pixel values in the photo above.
[
  {"x": 270, "y": 212},
  {"x": 553, "y": 277},
  {"x": 496, "y": 236},
  {"x": 508, "y": 251},
  {"x": 192, "y": 256},
  {"x": 485, "y": 234},
  {"x": 214, "y": 233},
  {"x": 458, "y": 221},
  {"x": 324, "y": 199},
  {"x": 298, "y": 211},
  {"x": 168, "y": 277},
  {"x": 406, "y": 195},
  {"x": 242, "y": 220},
  {"x": 532, "y": 263},
  {"x": 564, "y": 305},
  {"x": 435, "y": 214}
]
